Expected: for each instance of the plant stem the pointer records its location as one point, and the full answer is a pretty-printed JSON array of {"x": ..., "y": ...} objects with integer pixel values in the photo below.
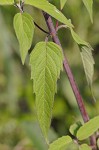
[
  {"x": 67, "y": 69},
  {"x": 69, "y": 74}
]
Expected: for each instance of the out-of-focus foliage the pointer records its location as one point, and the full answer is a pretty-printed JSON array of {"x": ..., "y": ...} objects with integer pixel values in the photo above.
[{"x": 17, "y": 105}]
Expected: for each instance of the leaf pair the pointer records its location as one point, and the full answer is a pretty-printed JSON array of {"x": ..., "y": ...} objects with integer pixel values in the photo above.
[
  {"x": 24, "y": 26},
  {"x": 83, "y": 132},
  {"x": 88, "y": 128},
  {"x": 46, "y": 61}
]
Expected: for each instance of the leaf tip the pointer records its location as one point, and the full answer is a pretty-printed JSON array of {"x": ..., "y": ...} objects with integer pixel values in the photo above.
[{"x": 23, "y": 61}]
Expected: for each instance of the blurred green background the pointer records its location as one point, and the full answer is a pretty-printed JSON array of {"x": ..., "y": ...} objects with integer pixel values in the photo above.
[{"x": 19, "y": 129}]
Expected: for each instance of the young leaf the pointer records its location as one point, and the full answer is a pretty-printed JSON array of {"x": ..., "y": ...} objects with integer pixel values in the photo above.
[
  {"x": 24, "y": 28},
  {"x": 88, "y": 128},
  {"x": 62, "y": 3},
  {"x": 74, "y": 128},
  {"x": 84, "y": 147},
  {"x": 46, "y": 61},
  {"x": 87, "y": 58},
  {"x": 61, "y": 143},
  {"x": 50, "y": 9},
  {"x": 88, "y": 4},
  {"x": 6, "y": 2}
]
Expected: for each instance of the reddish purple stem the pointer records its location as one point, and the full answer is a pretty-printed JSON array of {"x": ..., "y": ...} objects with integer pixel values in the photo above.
[{"x": 70, "y": 75}]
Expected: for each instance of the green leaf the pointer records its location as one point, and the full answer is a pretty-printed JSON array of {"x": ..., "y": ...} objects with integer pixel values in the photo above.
[
  {"x": 88, "y": 63},
  {"x": 77, "y": 39},
  {"x": 61, "y": 143},
  {"x": 88, "y": 4},
  {"x": 50, "y": 9},
  {"x": 46, "y": 61},
  {"x": 84, "y": 147},
  {"x": 6, "y": 2},
  {"x": 88, "y": 128},
  {"x": 24, "y": 28},
  {"x": 62, "y": 3},
  {"x": 87, "y": 58},
  {"x": 74, "y": 128}
]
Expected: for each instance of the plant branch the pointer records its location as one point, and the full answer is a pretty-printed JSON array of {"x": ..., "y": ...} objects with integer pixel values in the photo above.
[
  {"x": 41, "y": 28},
  {"x": 69, "y": 74},
  {"x": 60, "y": 27}
]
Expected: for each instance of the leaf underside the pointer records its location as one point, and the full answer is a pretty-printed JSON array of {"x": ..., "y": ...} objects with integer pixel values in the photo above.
[{"x": 46, "y": 63}]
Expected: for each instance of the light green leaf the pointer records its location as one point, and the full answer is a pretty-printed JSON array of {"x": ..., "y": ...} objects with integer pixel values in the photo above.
[
  {"x": 24, "y": 28},
  {"x": 74, "y": 128},
  {"x": 88, "y": 4},
  {"x": 61, "y": 143},
  {"x": 88, "y": 128},
  {"x": 84, "y": 147},
  {"x": 62, "y": 3},
  {"x": 6, "y": 2},
  {"x": 50, "y": 9},
  {"x": 46, "y": 61},
  {"x": 87, "y": 58}
]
